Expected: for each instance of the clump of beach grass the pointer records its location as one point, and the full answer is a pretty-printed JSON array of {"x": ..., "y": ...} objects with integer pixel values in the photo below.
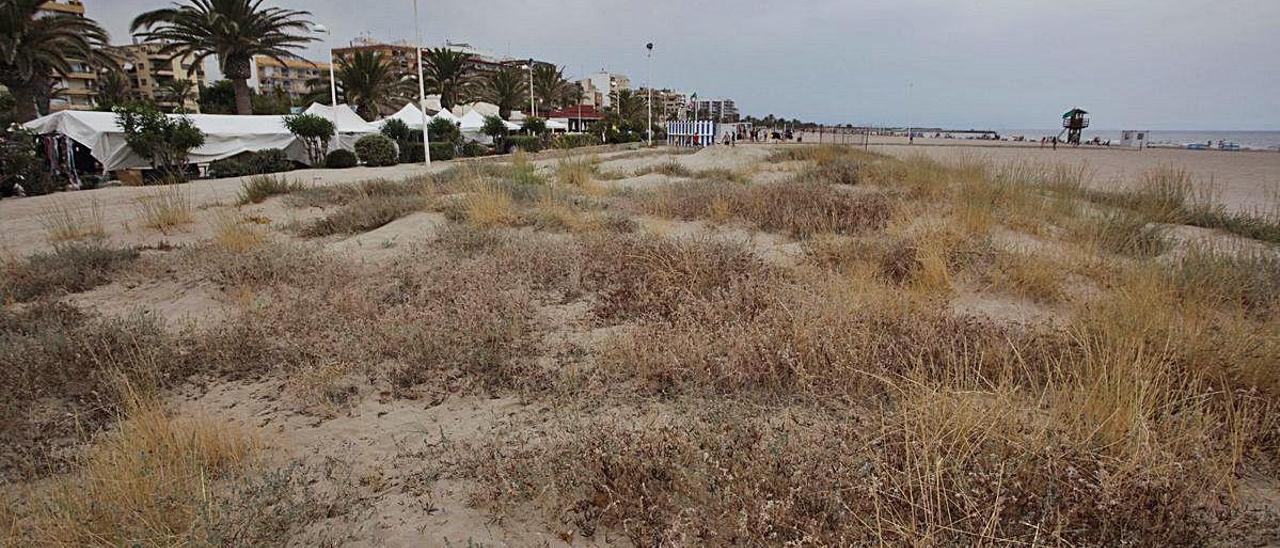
[
  {"x": 71, "y": 267},
  {"x": 166, "y": 208},
  {"x": 258, "y": 188},
  {"x": 233, "y": 232},
  {"x": 66, "y": 221},
  {"x": 364, "y": 214}
]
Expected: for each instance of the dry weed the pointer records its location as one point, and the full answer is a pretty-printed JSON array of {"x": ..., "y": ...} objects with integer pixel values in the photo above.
[
  {"x": 63, "y": 221},
  {"x": 166, "y": 208}
]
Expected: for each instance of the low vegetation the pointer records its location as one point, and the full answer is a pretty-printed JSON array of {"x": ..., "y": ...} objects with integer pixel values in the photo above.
[
  {"x": 260, "y": 187},
  {"x": 893, "y": 351},
  {"x": 68, "y": 222},
  {"x": 166, "y": 209}
]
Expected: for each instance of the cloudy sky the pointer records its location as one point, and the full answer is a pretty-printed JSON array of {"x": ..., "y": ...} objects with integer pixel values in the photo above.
[{"x": 1149, "y": 64}]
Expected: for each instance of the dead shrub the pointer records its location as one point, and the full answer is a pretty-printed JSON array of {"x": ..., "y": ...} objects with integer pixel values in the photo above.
[
  {"x": 55, "y": 353},
  {"x": 363, "y": 215},
  {"x": 652, "y": 277},
  {"x": 800, "y": 209},
  {"x": 69, "y": 268}
]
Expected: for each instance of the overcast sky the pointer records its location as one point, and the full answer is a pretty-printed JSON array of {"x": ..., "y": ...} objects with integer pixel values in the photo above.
[{"x": 1143, "y": 64}]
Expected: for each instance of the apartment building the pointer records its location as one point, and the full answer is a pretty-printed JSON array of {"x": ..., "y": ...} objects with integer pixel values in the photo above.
[
  {"x": 77, "y": 89},
  {"x": 150, "y": 72},
  {"x": 599, "y": 89},
  {"x": 720, "y": 110},
  {"x": 293, "y": 75},
  {"x": 668, "y": 104}
]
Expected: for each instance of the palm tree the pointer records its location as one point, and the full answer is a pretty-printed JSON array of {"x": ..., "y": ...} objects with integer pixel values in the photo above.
[
  {"x": 113, "y": 89},
  {"x": 232, "y": 30},
  {"x": 368, "y": 81},
  {"x": 178, "y": 91},
  {"x": 551, "y": 90},
  {"x": 506, "y": 88},
  {"x": 34, "y": 48},
  {"x": 449, "y": 73},
  {"x": 628, "y": 111}
]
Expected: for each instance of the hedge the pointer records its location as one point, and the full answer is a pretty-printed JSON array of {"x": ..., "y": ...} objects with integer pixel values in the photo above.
[
  {"x": 341, "y": 159},
  {"x": 262, "y": 162},
  {"x": 527, "y": 143},
  {"x": 377, "y": 150},
  {"x": 441, "y": 151},
  {"x": 411, "y": 153}
]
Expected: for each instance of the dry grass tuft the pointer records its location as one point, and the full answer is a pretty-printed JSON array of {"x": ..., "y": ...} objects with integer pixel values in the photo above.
[
  {"x": 1029, "y": 275},
  {"x": 166, "y": 208},
  {"x": 577, "y": 172},
  {"x": 234, "y": 233},
  {"x": 63, "y": 221},
  {"x": 145, "y": 482},
  {"x": 260, "y": 187},
  {"x": 487, "y": 205}
]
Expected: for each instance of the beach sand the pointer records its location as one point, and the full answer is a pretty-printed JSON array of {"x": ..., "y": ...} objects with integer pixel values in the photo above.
[{"x": 1243, "y": 181}]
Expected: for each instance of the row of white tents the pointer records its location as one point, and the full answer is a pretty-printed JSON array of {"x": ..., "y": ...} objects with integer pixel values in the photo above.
[{"x": 231, "y": 135}]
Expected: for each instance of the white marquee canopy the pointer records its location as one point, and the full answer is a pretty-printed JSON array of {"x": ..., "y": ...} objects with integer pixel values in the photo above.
[{"x": 225, "y": 135}]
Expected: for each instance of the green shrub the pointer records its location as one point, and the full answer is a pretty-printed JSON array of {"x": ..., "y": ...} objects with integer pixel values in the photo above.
[
  {"x": 534, "y": 126},
  {"x": 227, "y": 167},
  {"x": 575, "y": 140},
  {"x": 377, "y": 151},
  {"x": 494, "y": 128},
  {"x": 442, "y": 151},
  {"x": 411, "y": 153},
  {"x": 474, "y": 149},
  {"x": 18, "y": 160},
  {"x": 526, "y": 143},
  {"x": 315, "y": 132},
  {"x": 164, "y": 141},
  {"x": 341, "y": 159},
  {"x": 271, "y": 160},
  {"x": 443, "y": 131},
  {"x": 397, "y": 130}
]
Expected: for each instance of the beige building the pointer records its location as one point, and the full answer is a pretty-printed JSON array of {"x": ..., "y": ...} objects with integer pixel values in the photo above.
[
  {"x": 77, "y": 89},
  {"x": 149, "y": 72},
  {"x": 667, "y": 104},
  {"x": 599, "y": 89},
  {"x": 293, "y": 76}
]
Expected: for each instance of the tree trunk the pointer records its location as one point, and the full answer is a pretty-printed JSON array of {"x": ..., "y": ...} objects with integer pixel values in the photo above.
[
  {"x": 24, "y": 99},
  {"x": 244, "y": 97}
]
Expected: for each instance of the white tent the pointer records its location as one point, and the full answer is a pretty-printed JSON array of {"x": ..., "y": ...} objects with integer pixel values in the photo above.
[
  {"x": 225, "y": 136},
  {"x": 410, "y": 115},
  {"x": 446, "y": 115},
  {"x": 473, "y": 120},
  {"x": 351, "y": 127}
]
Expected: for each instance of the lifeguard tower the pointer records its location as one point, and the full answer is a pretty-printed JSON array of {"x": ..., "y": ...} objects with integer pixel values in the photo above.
[{"x": 1073, "y": 123}]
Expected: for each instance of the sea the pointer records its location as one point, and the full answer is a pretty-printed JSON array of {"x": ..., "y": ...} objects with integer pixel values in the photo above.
[{"x": 1248, "y": 140}]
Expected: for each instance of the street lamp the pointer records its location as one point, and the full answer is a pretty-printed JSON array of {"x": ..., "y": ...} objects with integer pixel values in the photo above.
[
  {"x": 422, "y": 89},
  {"x": 533, "y": 110},
  {"x": 333, "y": 81},
  {"x": 649, "y": 47}
]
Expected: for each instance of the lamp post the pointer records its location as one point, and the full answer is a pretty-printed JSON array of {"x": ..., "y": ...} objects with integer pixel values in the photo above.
[
  {"x": 533, "y": 110},
  {"x": 333, "y": 80},
  {"x": 422, "y": 89},
  {"x": 649, "y": 47}
]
